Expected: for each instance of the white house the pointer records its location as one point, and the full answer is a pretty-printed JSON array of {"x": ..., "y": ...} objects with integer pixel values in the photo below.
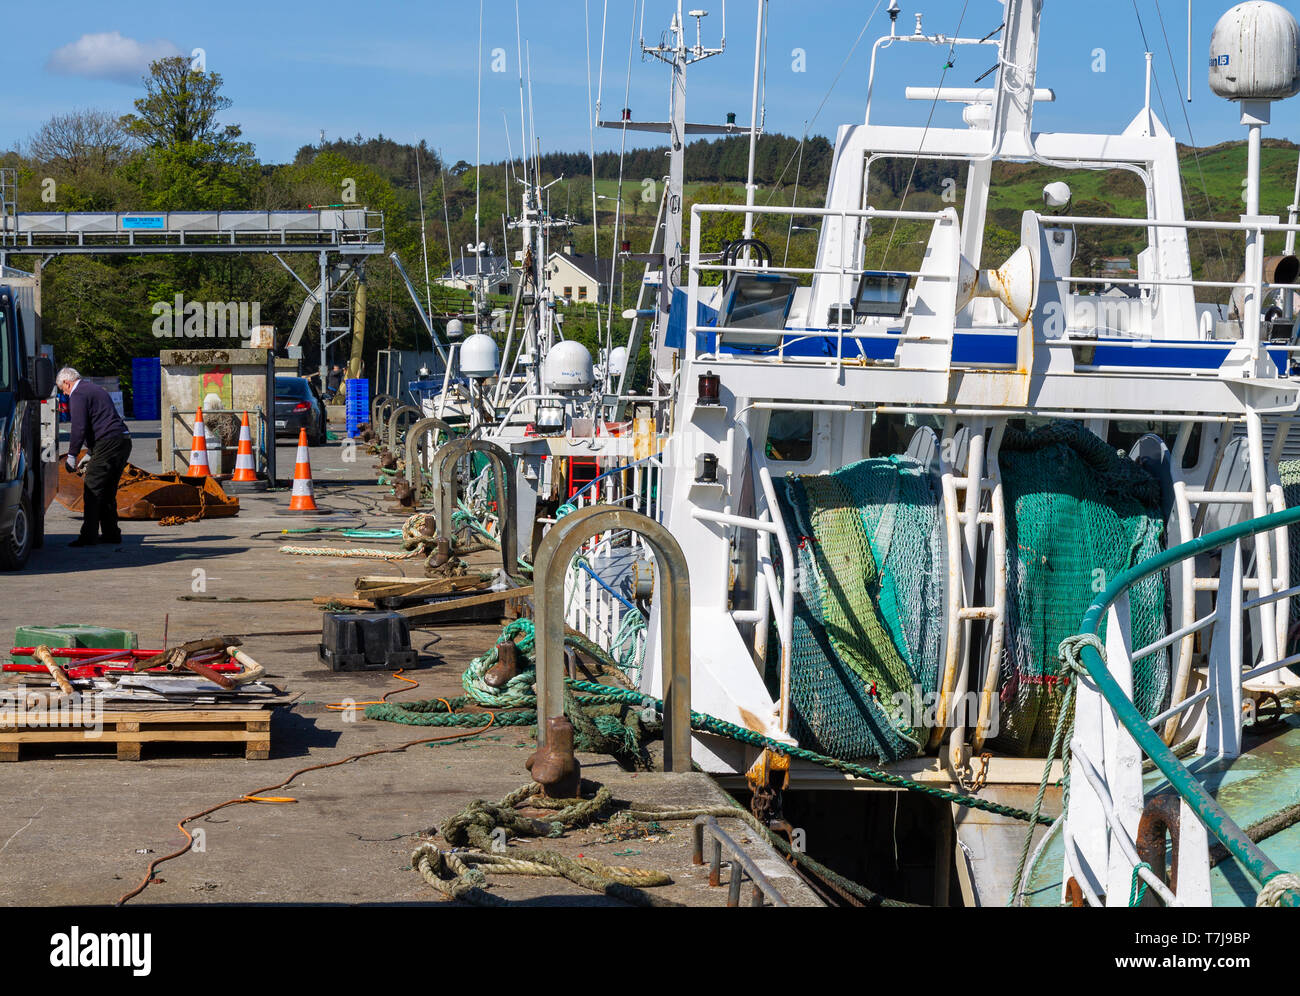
[{"x": 577, "y": 277}]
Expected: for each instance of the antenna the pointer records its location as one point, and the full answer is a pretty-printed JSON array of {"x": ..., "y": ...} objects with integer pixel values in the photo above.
[{"x": 424, "y": 232}]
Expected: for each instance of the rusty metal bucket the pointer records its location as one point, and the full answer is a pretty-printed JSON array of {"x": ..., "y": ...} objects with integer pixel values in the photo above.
[{"x": 168, "y": 498}]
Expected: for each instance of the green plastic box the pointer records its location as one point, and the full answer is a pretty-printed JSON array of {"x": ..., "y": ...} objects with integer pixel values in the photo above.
[{"x": 75, "y": 635}]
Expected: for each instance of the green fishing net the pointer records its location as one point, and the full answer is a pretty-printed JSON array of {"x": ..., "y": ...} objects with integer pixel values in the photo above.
[
  {"x": 1078, "y": 513},
  {"x": 868, "y": 606}
]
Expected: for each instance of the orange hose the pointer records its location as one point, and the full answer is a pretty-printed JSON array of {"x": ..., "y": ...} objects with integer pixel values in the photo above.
[{"x": 256, "y": 796}]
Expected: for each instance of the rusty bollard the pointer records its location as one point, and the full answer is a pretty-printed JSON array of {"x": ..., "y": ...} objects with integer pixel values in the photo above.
[
  {"x": 403, "y": 492},
  {"x": 506, "y": 667},
  {"x": 553, "y": 766}
]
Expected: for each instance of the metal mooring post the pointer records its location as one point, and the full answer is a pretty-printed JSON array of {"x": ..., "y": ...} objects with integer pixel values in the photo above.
[
  {"x": 556, "y": 552},
  {"x": 442, "y": 471}
]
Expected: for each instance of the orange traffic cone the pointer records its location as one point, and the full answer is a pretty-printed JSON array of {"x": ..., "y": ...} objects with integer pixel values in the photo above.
[
  {"x": 302, "y": 498},
  {"x": 245, "y": 472},
  {"x": 199, "y": 449}
]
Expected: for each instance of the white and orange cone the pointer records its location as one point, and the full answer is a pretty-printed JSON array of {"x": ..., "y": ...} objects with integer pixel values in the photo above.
[
  {"x": 199, "y": 449},
  {"x": 302, "y": 498},
  {"x": 245, "y": 472}
]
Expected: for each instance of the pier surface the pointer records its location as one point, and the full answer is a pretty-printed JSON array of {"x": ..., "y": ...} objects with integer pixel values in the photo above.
[{"x": 82, "y": 828}]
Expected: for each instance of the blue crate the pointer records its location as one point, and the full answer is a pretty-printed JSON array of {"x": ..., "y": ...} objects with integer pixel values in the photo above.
[
  {"x": 146, "y": 387},
  {"x": 358, "y": 403}
]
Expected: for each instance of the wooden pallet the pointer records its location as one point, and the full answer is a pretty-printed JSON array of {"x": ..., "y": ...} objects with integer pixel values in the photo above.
[{"x": 129, "y": 730}]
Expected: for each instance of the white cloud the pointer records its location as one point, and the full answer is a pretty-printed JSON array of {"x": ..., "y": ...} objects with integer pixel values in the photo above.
[{"x": 108, "y": 55}]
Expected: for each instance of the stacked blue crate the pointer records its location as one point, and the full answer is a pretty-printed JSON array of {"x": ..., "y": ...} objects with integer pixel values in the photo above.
[
  {"x": 358, "y": 403},
  {"x": 146, "y": 387}
]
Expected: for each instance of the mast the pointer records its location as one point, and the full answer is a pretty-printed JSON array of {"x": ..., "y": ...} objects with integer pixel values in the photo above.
[{"x": 676, "y": 52}]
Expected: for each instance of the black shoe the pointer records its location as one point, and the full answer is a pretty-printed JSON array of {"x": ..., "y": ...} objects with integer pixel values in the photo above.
[
  {"x": 82, "y": 541},
  {"x": 111, "y": 540}
]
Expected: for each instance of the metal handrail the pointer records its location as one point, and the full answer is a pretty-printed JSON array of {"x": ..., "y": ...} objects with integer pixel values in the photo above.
[
  {"x": 742, "y": 865},
  {"x": 1207, "y": 810}
]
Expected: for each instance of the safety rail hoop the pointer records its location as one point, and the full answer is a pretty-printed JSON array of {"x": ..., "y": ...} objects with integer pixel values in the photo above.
[
  {"x": 442, "y": 473},
  {"x": 1207, "y": 810},
  {"x": 672, "y": 588}
]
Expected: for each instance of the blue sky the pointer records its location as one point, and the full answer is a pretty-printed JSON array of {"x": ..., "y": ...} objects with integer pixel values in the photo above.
[{"x": 409, "y": 70}]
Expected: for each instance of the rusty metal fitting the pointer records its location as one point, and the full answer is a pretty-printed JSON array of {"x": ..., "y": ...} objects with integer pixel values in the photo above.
[
  {"x": 553, "y": 765},
  {"x": 506, "y": 666},
  {"x": 1159, "y": 817},
  {"x": 1073, "y": 892}
]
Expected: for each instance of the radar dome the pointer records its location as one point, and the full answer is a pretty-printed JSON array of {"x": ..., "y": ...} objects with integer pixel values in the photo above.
[
  {"x": 567, "y": 367},
  {"x": 478, "y": 356},
  {"x": 617, "y": 361},
  {"x": 1255, "y": 53}
]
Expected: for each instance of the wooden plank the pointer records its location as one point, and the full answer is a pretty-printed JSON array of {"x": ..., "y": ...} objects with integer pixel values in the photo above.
[
  {"x": 346, "y": 601},
  {"x": 188, "y": 716},
  {"x": 194, "y": 734},
  {"x": 454, "y": 605},
  {"x": 408, "y": 588}
]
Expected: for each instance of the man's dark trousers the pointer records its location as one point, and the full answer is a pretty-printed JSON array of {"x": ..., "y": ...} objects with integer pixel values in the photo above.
[{"x": 107, "y": 458}]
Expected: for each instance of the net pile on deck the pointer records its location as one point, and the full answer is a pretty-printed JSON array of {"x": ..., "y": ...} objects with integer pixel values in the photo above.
[{"x": 868, "y": 606}]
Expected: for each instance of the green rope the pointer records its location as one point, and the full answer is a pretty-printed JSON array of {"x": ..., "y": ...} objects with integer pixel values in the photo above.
[
  {"x": 1068, "y": 654},
  {"x": 1137, "y": 892}
]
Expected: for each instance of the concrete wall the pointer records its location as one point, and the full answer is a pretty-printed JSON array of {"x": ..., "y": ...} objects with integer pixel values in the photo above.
[{"x": 180, "y": 390}]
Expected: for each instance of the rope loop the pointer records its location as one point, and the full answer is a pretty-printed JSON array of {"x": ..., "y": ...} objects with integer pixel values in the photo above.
[{"x": 1276, "y": 886}]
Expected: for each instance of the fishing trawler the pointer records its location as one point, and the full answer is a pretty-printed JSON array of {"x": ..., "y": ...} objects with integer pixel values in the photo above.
[{"x": 965, "y": 542}]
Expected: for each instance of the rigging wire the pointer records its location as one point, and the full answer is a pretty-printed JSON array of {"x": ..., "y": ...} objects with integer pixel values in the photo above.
[
  {"x": 478, "y": 170},
  {"x": 809, "y": 123},
  {"x": 934, "y": 104},
  {"x": 622, "y": 149},
  {"x": 1191, "y": 138},
  {"x": 424, "y": 232}
]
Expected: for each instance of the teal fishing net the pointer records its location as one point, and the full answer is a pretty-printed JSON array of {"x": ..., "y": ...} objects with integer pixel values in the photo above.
[
  {"x": 1078, "y": 513},
  {"x": 868, "y": 605}
]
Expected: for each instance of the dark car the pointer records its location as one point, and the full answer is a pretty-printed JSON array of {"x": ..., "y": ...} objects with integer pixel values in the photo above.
[{"x": 299, "y": 406}]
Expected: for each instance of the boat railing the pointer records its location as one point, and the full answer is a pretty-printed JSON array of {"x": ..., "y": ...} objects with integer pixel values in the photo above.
[
  {"x": 926, "y": 331},
  {"x": 769, "y": 589},
  {"x": 1250, "y": 287},
  {"x": 1114, "y": 829},
  {"x": 593, "y": 605},
  {"x": 926, "y": 319}
]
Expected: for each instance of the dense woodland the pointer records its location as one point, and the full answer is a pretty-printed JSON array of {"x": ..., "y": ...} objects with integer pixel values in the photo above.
[{"x": 174, "y": 151}]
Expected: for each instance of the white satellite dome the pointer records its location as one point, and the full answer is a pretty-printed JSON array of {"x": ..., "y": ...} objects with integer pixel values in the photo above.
[
  {"x": 617, "y": 361},
  {"x": 1057, "y": 194},
  {"x": 478, "y": 356},
  {"x": 455, "y": 328},
  {"x": 567, "y": 367},
  {"x": 1255, "y": 53}
]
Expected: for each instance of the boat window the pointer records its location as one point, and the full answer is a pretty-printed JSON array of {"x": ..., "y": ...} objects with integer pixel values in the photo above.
[
  {"x": 789, "y": 437},
  {"x": 1123, "y": 433},
  {"x": 758, "y": 300}
]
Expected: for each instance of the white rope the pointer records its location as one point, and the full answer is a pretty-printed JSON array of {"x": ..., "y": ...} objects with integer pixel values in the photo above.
[
  {"x": 354, "y": 551},
  {"x": 1271, "y": 893}
]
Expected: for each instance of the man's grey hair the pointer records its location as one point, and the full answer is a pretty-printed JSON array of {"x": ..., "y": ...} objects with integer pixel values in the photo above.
[{"x": 67, "y": 375}]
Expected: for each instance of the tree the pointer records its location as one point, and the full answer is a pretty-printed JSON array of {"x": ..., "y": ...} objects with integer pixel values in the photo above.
[
  {"x": 191, "y": 159},
  {"x": 82, "y": 152},
  {"x": 180, "y": 108},
  {"x": 82, "y": 141}
]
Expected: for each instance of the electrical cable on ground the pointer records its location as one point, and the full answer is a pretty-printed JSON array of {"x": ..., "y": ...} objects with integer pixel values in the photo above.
[{"x": 258, "y": 795}]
